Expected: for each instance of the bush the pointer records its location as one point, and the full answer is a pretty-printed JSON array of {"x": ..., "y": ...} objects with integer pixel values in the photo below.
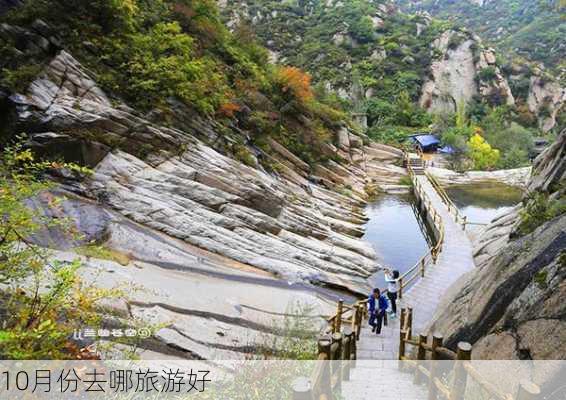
[
  {"x": 538, "y": 209},
  {"x": 295, "y": 82},
  {"x": 487, "y": 74},
  {"x": 43, "y": 301},
  {"x": 19, "y": 79},
  {"x": 403, "y": 112},
  {"x": 162, "y": 63},
  {"x": 481, "y": 153}
]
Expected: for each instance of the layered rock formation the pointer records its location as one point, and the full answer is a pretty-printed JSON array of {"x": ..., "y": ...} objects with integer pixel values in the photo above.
[
  {"x": 511, "y": 306},
  {"x": 220, "y": 251},
  {"x": 185, "y": 188}
]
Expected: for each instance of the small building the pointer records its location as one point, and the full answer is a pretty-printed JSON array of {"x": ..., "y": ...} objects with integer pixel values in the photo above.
[{"x": 425, "y": 142}]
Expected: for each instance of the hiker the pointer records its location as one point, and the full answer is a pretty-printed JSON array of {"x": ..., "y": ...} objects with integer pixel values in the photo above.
[
  {"x": 377, "y": 304},
  {"x": 392, "y": 279}
]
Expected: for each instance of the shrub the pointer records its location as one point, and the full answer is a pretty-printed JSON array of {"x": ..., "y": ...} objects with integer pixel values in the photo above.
[
  {"x": 43, "y": 301},
  {"x": 19, "y": 79},
  {"x": 487, "y": 74},
  {"x": 455, "y": 40},
  {"x": 162, "y": 63},
  {"x": 481, "y": 153},
  {"x": 242, "y": 154},
  {"x": 538, "y": 209},
  {"x": 295, "y": 82}
]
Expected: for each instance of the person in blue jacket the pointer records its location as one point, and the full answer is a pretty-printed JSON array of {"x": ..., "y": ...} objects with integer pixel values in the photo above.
[{"x": 377, "y": 305}]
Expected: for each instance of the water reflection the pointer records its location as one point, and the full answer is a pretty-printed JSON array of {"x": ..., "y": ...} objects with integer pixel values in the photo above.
[
  {"x": 395, "y": 233},
  {"x": 482, "y": 203}
]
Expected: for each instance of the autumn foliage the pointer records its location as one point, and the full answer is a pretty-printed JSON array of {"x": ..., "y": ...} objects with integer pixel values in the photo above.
[
  {"x": 296, "y": 82},
  {"x": 228, "y": 109}
]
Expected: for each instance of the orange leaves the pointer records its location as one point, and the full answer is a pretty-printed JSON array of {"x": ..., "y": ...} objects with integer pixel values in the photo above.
[
  {"x": 228, "y": 109},
  {"x": 295, "y": 81}
]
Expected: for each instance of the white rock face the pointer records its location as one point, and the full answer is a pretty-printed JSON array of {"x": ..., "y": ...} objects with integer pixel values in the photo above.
[
  {"x": 378, "y": 54},
  {"x": 377, "y": 22},
  {"x": 454, "y": 75},
  {"x": 546, "y": 99}
]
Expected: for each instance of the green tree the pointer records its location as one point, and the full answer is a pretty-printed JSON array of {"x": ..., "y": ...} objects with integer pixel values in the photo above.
[{"x": 482, "y": 154}]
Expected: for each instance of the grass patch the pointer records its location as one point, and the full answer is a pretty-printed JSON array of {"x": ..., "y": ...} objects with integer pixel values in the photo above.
[
  {"x": 406, "y": 181},
  {"x": 294, "y": 337},
  {"x": 541, "y": 279},
  {"x": 372, "y": 191},
  {"x": 104, "y": 253}
]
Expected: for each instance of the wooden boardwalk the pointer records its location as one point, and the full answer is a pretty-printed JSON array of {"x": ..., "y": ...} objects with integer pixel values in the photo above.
[{"x": 425, "y": 294}]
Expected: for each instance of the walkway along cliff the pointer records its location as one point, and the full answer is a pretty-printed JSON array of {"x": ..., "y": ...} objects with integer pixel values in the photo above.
[{"x": 347, "y": 347}]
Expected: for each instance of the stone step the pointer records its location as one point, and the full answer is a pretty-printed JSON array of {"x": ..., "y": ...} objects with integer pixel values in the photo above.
[{"x": 377, "y": 381}]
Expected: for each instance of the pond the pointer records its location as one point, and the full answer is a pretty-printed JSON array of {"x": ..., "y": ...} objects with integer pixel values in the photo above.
[
  {"x": 395, "y": 232},
  {"x": 481, "y": 203}
]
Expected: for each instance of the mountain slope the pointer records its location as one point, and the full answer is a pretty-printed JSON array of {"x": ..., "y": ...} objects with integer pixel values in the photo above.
[
  {"x": 533, "y": 29},
  {"x": 400, "y": 73}
]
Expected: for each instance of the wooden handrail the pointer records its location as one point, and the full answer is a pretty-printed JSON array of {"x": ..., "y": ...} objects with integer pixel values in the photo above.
[
  {"x": 419, "y": 268},
  {"x": 452, "y": 208},
  {"x": 462, "y": 372},
  {"x": 344, "y": 351}
]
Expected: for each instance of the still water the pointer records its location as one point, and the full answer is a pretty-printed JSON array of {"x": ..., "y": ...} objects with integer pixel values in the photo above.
[
  {"x": 395, "y": 233},
  {"x": 398, "y": 235},
  {"x": 482, "y": 203}
]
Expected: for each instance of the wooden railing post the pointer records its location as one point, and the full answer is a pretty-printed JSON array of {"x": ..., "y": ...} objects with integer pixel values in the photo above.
[
  {"x": 353, "y": 349},
  {"x": 432, "y": 389},
  {"x": 338, "y": 319},
  {"x": 409, "y": 322},
  {"x": 464, "y": 222},
  {"x": 360, "y": 313},
  {"x": 354, "y": 317},
  {"x": 400, "y": 291},
  {"x": 422, "y": 267},
  {"x": 402, "y": 334},
  {"x": 326, "y": 379},
  {"x": 460, "y": 378},
  {"x": 527, "y": 391},
  {"x": 337, "y": 360},
  {"x": 302, "y": 389},
  {"x": 346, "y": 355},
  {"x": 324, "y": 347},
  {"x": 421, "y": 355}
]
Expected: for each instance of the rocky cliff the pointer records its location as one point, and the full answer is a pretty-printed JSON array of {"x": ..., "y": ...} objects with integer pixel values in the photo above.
[
  {"x": 519, "y": 27},
  {"x": 462, "y": 69},
  {"x": 220, "y": 250},
  {"x": 511, "y": 306}
]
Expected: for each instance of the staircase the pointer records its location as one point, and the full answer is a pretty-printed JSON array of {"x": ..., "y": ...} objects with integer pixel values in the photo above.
[
  {"x": 383, "y": 380},
  {"x": 416, "y": 164},
  {"x": 376, "y": 374}
]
